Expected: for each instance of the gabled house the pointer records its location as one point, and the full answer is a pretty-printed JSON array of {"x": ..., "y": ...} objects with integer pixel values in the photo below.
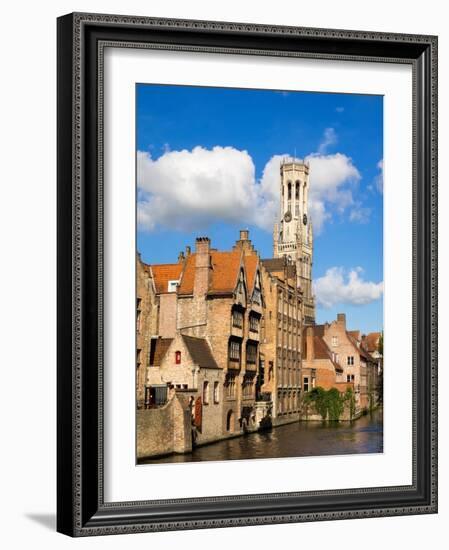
[{"x": 185, "y": 364}]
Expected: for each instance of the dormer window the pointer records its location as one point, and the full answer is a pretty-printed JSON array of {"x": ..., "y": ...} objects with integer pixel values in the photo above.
[
  {"x": 254, "y": 323},
  {"x": 237, "y": 318},
  {"x": 172, "y": 286},
  {"x": 241, "y": 291}
]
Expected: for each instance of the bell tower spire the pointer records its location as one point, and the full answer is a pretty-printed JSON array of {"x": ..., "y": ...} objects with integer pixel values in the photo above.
[{"x": 293, "y": 235}]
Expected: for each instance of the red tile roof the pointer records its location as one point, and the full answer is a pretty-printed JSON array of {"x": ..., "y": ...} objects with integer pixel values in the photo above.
[
  {"x": 163, "y": 273},
  {"x": 251, "y": 263},
  {"x": 371, "y": 341},
  {"x": 359, "y": 349},
  {"x": 223, "y": 276},
  {"x": 320, "y": 349}
]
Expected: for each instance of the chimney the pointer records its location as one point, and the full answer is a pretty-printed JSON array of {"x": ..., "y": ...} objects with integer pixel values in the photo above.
[
  {"x": 310, "y": 346},
  {"x": 202, "y": 266},
  {"x": 341, "y": 319},
  {"x": 181, "y": 257},
  {"x": 244, "y": 234},
  {"x": 188, "y": 251}
]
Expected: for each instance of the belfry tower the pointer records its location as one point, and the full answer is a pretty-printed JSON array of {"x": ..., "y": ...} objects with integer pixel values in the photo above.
[{"x": 293, "y": 235}]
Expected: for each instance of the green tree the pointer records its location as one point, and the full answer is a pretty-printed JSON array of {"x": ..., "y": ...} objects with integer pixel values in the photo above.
[{"x": 380, "y": 345}]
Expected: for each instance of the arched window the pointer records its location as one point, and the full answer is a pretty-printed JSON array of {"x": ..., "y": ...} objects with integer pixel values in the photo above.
[
  {"x": 297, "y": 190},
  {"x": 289, "y": 186},
  {"x": 205, "y": 392},
  {"x": 216, "y": 392},
  {"x": 177, "y": 357}
]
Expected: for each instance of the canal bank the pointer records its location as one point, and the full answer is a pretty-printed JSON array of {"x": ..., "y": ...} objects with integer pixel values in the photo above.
[{"x": 298, "y": 439}]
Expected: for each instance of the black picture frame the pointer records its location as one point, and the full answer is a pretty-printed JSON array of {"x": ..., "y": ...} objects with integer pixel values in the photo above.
[{"x": 81, "y": 510}]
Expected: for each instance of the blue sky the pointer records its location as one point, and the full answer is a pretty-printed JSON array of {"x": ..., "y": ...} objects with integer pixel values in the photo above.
[{"x": 207, "y": 164}]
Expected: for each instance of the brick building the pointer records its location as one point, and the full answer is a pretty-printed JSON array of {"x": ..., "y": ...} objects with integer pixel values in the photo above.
[
  {"x": 333, "y": 344},
  {"x": 146, "y": 325},
  {"x": 281, "y": 346},
  {"x": 230, "y": 339}
]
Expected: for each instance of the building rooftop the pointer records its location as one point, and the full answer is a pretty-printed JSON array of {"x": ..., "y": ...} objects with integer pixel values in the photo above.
[
  {"x": 163, "y": 273},
  {"x": 200, "y": 352},
  {"x": 158, "y": 349}
]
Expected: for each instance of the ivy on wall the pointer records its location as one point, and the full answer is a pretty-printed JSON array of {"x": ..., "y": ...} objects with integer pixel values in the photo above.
[{"x": 330, "y": 404}]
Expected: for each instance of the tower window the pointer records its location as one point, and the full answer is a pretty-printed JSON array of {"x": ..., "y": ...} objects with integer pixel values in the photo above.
[
  {"x": 297, "y": 190},
  {"x": 289, "y": 191}
]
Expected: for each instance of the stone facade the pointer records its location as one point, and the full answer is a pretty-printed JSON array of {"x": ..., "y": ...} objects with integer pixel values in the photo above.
[
  {"x": 146, "y": 325},
  {"x": 187, "y": 365},
  {"x": 331, "y": 346},
  {"x": 164, "y": 430},
  {"x": 282, "y": 340},
  {"x": 293, "y": 233},
  {"x": 227, "y": 342}
]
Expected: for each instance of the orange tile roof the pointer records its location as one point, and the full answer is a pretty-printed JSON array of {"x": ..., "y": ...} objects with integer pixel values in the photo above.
[
  {"x": 224, "y": 272},
  {"x": 188, "y": 276},
  {"x": 362, "y": 352},
  {"x": 163, "y": 273},
  {"x": 371, "y": 341},
  {"x": 355, "y": 334},
  {"x": 320, "y": 348},
  {"x": 251, "y": 263}
]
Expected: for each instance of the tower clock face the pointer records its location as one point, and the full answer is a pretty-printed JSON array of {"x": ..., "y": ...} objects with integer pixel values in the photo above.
[
  {"x": 288, "y": 216},
  {"x": 304, "y": 219}
]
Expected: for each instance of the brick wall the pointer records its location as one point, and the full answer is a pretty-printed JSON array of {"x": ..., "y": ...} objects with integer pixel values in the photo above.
[{"x": 164, "y": 430}]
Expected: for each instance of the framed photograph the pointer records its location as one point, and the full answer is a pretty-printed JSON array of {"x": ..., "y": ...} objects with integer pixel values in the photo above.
[{"x": 247, "y": 274}]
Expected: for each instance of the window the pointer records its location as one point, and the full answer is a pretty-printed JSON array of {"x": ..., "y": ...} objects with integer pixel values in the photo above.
[
  {"x": 256, "y": 296},
  {"x": 350, "y": 378},
  {"x": 247, "y": 387},
  {"x": 178, "y": 357},
  {"x": 206, "y": 392},
  {"x": 306, "y": 383},
  {"x": 237, "y": 318},
  {"x": 350, "y": 360},
  {"x": 234, "y": 350},
  {"x": 138, "y": 314},
  {"x": 254, "y": 323},
  {"x": 216, "y": 392},
  {"x": 241, "y": 290},
  {"x": 334, "y": 341},
  {"x": 138, "y": 354},
  {"x": 172, "y": 286},
  {"x": 297, "y": 191},
  {"x": 289, "y": 186},
  {"x": 251, "y": 353},
  {"x": 230, "y": 386}
]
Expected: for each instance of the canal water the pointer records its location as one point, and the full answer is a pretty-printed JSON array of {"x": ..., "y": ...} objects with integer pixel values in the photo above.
[{"x": 364, "y": 435}]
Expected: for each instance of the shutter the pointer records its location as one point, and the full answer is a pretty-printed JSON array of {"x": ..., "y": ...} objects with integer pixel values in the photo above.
[{"x": 198, "y": 419}]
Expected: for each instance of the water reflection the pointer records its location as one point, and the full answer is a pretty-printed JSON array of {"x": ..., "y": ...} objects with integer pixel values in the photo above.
[{"x": 364, "y": 435}]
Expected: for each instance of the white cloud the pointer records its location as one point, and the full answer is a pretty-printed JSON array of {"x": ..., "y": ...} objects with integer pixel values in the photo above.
[
  {"x": 338, "y": 286},
  {"x": 189, "y": 190},
  {"x": 329, "y": 138},
  {"x": 379, "y": 179},
  {"x": 359, "y": 213},
  {"x": 332, "y": 181}
]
